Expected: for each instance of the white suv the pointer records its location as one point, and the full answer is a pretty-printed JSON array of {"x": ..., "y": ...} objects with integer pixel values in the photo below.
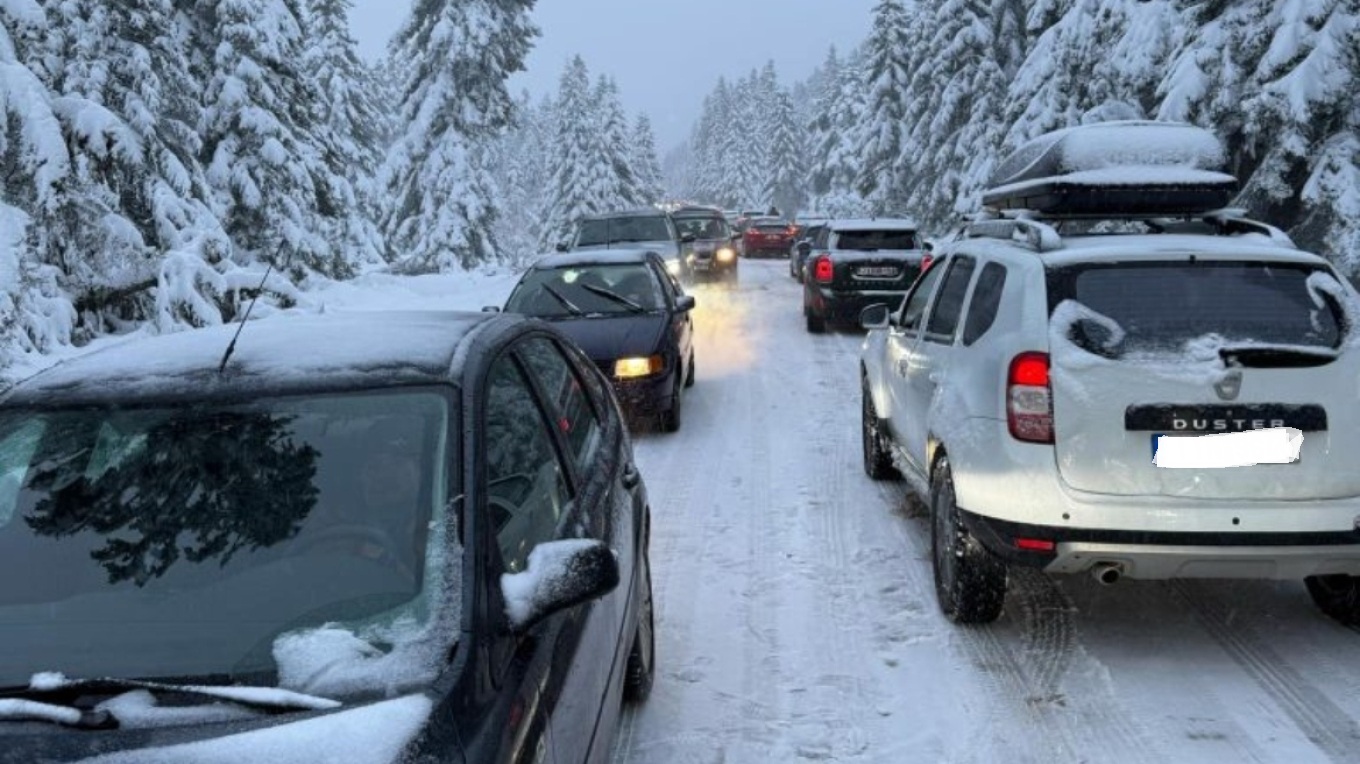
[{"x": 1024, "y": 383}]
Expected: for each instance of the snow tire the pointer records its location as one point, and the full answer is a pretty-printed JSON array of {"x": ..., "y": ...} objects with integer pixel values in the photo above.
[
  {"x": 878, "y": 463},
  {"x": 815, "y": 324},
  {"x": 970, "y": 582},
  {"x": 641, "y": 670},
  {"x": 670, "y": 418},
  {"x": 689, "y": 375},
  {"x": 1337, "y": 596}
]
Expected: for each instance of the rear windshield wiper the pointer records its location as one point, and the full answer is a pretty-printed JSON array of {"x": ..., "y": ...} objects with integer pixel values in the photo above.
[
  {"x": 575, "y": 311},
  {"x": 41, "y": 700},
  {"x": 1276, "y": 356},
  {"x": 615, "y": 296}
]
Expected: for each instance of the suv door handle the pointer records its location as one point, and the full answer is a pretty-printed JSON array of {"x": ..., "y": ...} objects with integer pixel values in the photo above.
[{"x": 631, "y": 477}]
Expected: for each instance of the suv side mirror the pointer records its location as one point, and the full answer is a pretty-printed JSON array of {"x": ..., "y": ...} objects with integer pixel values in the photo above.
[
  {"x": 805, "y": 247},
  {"x": 874, "y": 317},
  {"x": 736, "y": 235}
]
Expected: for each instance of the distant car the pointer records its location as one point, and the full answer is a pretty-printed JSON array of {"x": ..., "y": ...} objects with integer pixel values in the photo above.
[
  {"x": 813, "y": 237},
  {"x": 858, "y": 263},
  {"x": 627, "y": 314},
  {"x": 646, "y": 228},
  {"x": 712, "y": 252},
  {"x": 1096, "y": 400},
  {"x": 767, "y": 237},
  {"x": 366, "y": 537}
]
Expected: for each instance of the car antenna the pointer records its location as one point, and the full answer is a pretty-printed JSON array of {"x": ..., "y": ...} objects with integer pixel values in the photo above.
[{"x": 231, "y": 347}]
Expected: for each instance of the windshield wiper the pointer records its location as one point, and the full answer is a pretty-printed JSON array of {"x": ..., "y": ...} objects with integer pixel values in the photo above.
[
  {"x": 615, "y": 296},
  {"x": 575, "y": 311},
  {"x": 36, "y": 701},
  {"x": 1276, "y": 356}
]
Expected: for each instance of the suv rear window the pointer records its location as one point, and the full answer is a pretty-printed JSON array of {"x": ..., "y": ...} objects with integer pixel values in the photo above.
[
  {"x": 869, "y": 241},
  {"x": 1162, "y": 306},
  {"x": 623, "y": 230}
]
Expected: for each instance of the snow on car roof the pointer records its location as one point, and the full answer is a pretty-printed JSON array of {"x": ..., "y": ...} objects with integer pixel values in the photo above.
[
  {"x": 1256, "y": 247},
  {"x": 281, "y": 352},
  {"x": 577, "y": 258},
  {"x": 873, "y": 224}
]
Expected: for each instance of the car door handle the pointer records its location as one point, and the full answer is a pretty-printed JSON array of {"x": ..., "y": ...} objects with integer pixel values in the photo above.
[{"x": 631, "y": 477}]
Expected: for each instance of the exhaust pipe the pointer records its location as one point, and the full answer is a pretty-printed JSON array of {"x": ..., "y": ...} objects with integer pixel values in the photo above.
[{"x": 1108, "y": 573}]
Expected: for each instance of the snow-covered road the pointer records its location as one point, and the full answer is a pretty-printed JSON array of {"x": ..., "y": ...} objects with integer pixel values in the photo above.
[{"x": 797, "y": 620}]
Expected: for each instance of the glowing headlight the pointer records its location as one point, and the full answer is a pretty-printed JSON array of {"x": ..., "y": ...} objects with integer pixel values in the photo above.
[
  {"x": 673, "y": 266},
  {"x": 628, "y": 368},
  {"x": 726, "y": 254}
]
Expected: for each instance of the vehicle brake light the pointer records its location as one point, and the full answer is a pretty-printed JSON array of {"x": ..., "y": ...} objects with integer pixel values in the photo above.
[
  {"x": 1035, "y": 545},
  {"x": 1029, "y": 398},
  {"x": 926, "y": 260},
  {"x": 823, "y": 270}
]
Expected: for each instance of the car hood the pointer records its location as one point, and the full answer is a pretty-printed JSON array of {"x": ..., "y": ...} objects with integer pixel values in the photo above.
[
  {"x": 373, "y": 733},
  {"x": 606, "y": 338}
]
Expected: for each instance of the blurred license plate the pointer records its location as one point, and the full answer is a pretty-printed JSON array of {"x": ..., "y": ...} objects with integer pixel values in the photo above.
[{"x": 877, "y": 271}]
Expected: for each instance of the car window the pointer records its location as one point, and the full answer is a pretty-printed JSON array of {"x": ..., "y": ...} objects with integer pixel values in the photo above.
[
  {"x": 702, "y": 228},
  {"x": 944, "y": 315},
  {"x": 869, "y": 241},
  {"x": 527, "y": 493},
  {"x": 914, "y": 307},
  {"x": 622, "y": 230},
  {"x": 570, "y": 405},
  {"x": 985, "y": 303}
]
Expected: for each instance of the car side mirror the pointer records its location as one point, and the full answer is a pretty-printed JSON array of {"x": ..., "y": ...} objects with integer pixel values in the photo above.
[
  {"x": 491, "y": 309},
  {"x": 875, "y": 316},
  {"x": 686, "y": 238},
  {"x": 561, "y": 575},
  {"x": 561, "y": 246},
  {"x": 736, "y": 235},
  {"x": 685, "y": 302},
  {"x": 804, "y": 247},
  {"x": 928, "y": 246}
]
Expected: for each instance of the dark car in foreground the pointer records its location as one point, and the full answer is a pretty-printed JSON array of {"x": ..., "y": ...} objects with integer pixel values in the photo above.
[
  {"x": 370, "y": 538},
  {"x": 863, "y": 262},
  {"x": 627, "y": 314},
  {"x": 710, "y": 250}
]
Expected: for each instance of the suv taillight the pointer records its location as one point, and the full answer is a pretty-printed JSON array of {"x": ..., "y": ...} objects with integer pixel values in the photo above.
[
  {"x": 1029, "y": 398},
  {"x": 823, "y": 270}
]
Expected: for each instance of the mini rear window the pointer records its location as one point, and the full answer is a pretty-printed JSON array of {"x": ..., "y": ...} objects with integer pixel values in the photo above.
[
  {"x": 1161, "y": 306},
  {"x": 869, "y": 241}
]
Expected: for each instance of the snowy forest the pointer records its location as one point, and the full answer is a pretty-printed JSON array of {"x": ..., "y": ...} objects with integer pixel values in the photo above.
[
  {"x": 912, "y": 121},
  {"x": 167, "y": 161}
]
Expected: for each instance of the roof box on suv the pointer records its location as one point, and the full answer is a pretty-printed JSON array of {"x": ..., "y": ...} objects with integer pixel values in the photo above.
[{"x": 1115, "y": 168}]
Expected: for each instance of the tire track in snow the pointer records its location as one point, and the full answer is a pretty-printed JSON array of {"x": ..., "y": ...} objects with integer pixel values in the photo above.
[{"x": 1318, "y": 717}]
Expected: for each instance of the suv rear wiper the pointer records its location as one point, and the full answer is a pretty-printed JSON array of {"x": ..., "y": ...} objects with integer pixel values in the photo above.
[
  {"x": 37, "y": 702},
  {"x": 1276, "y": 356},
  {"x": 615, "y": 296},
  {"x": 575, "y": 311}
]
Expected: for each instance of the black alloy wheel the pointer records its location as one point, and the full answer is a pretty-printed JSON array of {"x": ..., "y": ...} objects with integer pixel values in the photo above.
[
  {"x": 878, "y": 463},
  {"x": 1338, "y": 596},
  {"x": 970, "y": 582},
  {"x": 815, "y": 324}
]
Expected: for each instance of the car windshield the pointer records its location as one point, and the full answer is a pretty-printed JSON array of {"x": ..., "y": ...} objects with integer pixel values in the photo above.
[
  {"x": 182, "y": 541},
  {"x": 622, "y": 230},
  {"x": 702, "y": 228},
  {"x": 876, "y": 240},
  {"x": 1160, "y": 307},
  {"x": 586, "y": 290}
]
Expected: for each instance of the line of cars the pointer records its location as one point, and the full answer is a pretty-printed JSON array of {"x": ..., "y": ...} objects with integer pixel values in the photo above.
[{"x": 1101, "y": 302}]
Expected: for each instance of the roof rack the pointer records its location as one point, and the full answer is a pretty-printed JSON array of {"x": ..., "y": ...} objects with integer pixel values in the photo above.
[{"x": 1038, "y": 236}]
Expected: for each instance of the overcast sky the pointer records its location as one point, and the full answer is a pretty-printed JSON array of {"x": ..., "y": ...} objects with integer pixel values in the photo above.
[{"x": 666, "y": 56}]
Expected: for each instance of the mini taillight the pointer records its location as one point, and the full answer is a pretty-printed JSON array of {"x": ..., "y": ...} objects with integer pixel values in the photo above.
[
  {"x": 926, "y": 260},
  {"x": 823, "y": 270},
  {"x": 1029, "y": 399}
]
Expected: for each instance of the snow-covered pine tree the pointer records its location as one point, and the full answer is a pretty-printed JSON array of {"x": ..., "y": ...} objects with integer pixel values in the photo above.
[
  {"x": 880, "y": 148},
  {"x": 572, "y": 188},
  {"x": 786, "y": 177},
  {"x": 644, "y": 162},
  {"x": 348, "y": 131},
  {"x": 521, "y": 157},
  {"x": 740, "y": 149},
  {"x": 614, "y": 151},
  {"x": 837, "y": 162},
  {"x": 35, "y": 314},
  {"x": 457, "y": 55}
]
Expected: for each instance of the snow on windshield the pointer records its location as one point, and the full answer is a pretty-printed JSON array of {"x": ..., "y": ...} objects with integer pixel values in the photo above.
[{"x": 371, "y": 734}]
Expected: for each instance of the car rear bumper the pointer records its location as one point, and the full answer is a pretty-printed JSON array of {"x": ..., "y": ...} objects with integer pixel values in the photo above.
[
  {"x": 845, "y": 307},
  {"x": 1161, "y": 555}
]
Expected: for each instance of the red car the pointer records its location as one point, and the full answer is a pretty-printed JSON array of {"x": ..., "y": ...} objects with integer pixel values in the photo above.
[{"x": 768, "y": 236}]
